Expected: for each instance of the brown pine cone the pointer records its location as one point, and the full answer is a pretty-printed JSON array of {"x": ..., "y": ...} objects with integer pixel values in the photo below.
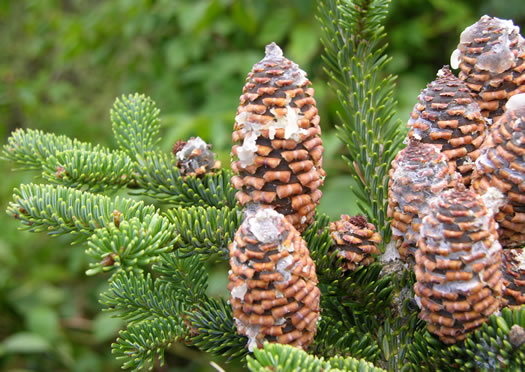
[
  {"x": 447, "y": 116},
  {"x": 273, "y": 283},
  {"x": 355, "y": 241},
  {"x": 513, "y": 277},
  {"x": 491, "y": 56},
  {"x": 278, "y": 140},
  {"x": 419, "y": 172},
  {"x": 194, "y": 158},
  {"x": 502, "y": 166},
  {"x": 458, "y": 265}
]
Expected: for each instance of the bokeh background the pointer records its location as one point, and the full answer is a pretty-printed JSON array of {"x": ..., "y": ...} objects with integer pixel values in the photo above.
[{"x": 63, "y": 62}]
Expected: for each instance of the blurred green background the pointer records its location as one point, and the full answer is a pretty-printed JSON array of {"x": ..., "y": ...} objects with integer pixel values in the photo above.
[{"x": 62, "y": 64}]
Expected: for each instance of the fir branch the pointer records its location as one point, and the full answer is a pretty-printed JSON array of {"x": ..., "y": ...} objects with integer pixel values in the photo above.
[
  {"x": 90, "y": 170},
  {"x": 489, "y": 348},
  {"x": 158, "y": 175},
  {"x": 286, "y": 358},
  {"x": 353, "y": 39},
  {"x": 140, "y": 343},
  {"x": 30, "y": 149},
  {"x": 186, "y": 275},
  {"x": 60, "y": 210},
  {"x": 135, "y": 124},
  {"x": 130, "y": 245},
  {"x": 135, "y": 297},
  {"x": 334, "y": 339},
  {"x": 205, "y": 231},
  {"x": 216, "y": 332}
]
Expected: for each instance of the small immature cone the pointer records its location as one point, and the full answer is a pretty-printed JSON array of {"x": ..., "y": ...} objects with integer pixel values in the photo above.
[
  {"x": 419, "y": 172},
  {"x": 194, "y": 158},
  {"x": 502, "y": 166},
  {"x": 273, "y": 284},
  {"x": 513, "y": 277},
  {"x": 458, "y": 265},
  {"x": 447, "y": 116},
  {"x": 355, "y": 240},
  {"x": 278, "y": 140},
  {"x": 491, "y": 56}
]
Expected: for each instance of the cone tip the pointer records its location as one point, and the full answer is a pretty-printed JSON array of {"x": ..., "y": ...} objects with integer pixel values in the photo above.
[{"x": 273, "y": 51}]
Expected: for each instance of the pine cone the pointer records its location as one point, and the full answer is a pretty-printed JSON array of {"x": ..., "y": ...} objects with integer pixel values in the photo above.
[
  {"x": 419, "y": 172},
  {"x": 501, "y": 165},
  {"x": 355, "y": 241},
  {"x": 279, "y": 148},
  {"x": 194, "y": 158},
  {"x": 273, "y": 284},
  {"x": 448, "y": 117},
  {"x": 458, "y": 264},
  {"x": 491, "y": 56},
  {"x": 513, "y": 277}
]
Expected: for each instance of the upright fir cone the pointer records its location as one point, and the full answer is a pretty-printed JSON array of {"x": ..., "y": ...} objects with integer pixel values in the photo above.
[
  {"x": 502, "y": 165},
  {"x": 194, "y": 157},
  {"x": 355, "y": 240},
  {"x": 273, "y": 284},
  {"x": 279, "y": 148},
  {"x": 459, "y": 282},
  {"x": 419, "y": 172},
  {"x": 513, "y": 277},
  {"x": 447, "y": 116},
  {"x": 491, "y": 56}
]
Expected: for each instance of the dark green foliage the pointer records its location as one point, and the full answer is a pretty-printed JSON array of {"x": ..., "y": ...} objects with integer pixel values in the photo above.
[
  {"x": 487, "y": 349},
  {"x": 136, "y": 297},
  {"x": 319, "y": 242},
  {"x": 31, "y": 149},
  {"x": 284, "y": 358},
  {"x": 334, "y": 338},
  {"x": 186, "y": 275},
  {"x": 159, "y": 178},
  {"x": 353, "y": 38},
  {"x": 130, "y": 245},
  {"x": 136, "y": 124},
  {"x": 205, "y": 231},
  {"x": 89, "y": 170},
  {"x": 141, "y": 343},
  {"x": 61, "y": 210},
  {"x": 213, "y": 323}
]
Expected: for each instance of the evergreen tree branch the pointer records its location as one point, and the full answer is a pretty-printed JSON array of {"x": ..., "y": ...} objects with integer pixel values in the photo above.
[
  {"x": 285, "y": 358},
  {"x": 130, "y": 245},
  {"x": 30, "y": 149},
  {"x": 186, "y": 275},
  {"x": 334, "y": 339},
  {"x": 89, "y": 170},
  {"x": 60, "y": 210},
  {"x": 135, "y": 124},
  {"x": 353, "y": 39},
  {"x": 205, "y": 231},
  {"x": 136, "y": 297},
  {"x": 140, "y": 343},
  {"x": 159, "y": 177},
  {"x": 215, "y": 329},
  {"x": 319, "y": 242}
]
